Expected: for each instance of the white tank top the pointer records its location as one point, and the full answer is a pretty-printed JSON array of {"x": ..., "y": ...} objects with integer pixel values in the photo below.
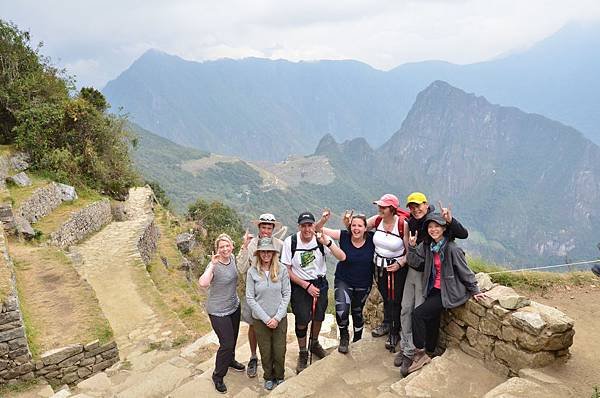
[{"x": 388, "y": 245}]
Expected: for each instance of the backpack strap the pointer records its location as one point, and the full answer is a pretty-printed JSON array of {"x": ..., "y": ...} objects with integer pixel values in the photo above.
[
  {"x": 400, "y": 226},
  {"x": 295, "y": 245}
]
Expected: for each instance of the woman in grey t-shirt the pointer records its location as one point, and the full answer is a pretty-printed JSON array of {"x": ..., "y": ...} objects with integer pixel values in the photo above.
[{"x": 223, "y": 307}]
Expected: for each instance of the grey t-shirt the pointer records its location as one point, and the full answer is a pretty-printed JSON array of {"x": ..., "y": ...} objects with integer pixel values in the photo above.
[{"x": 222, "y": 296}]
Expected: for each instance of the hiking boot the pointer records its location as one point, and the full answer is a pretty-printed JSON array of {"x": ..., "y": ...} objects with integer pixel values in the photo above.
[
  {"x": 392, "y": 342},
  {"x": 235, "y": 365},
  {"x": 269, "y": 385},
  {"x": 252, "y": 365},
  {"x": 357, "y": 336},
  {"x": 220, "y": 386},
  {"x": 596, "y": 270},
  {"x": 344, "y": 341},
  {"x": 318, "y": 350},
  {"x": 419, "y": 360},
  {"x": 302, "y": 361},
  {"x": 380, "y": 330},
  {"x": 404, "y": 363}
]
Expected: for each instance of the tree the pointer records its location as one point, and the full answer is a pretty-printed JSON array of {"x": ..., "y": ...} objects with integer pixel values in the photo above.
[
  {"x": 215, "y": 218},
  {"x": 71, "y": 138}
]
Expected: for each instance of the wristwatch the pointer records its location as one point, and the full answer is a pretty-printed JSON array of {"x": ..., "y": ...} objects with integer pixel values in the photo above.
[{"x": 330, "y": 243}]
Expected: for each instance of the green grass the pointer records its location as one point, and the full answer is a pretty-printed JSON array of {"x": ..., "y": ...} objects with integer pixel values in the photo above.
[
  {"x": 62, "y": 213},
  {"x": 19, "y": 194},
  {"x": 530, "y": 280},
  {"x": 32, "y": 332},
  {"x": 11, "y": 390}
]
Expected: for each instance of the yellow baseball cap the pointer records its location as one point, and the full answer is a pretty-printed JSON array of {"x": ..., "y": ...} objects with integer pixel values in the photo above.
[{"x": 416, "y": 197}]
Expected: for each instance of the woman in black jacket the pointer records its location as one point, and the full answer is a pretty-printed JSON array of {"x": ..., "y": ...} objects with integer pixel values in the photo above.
[{"x": 448, "y": 282}]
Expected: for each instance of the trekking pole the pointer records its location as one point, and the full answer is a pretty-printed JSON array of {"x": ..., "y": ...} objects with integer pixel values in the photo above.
[
  {"x": 311, "y": 338},
  {"x": 392, "y": 304}
]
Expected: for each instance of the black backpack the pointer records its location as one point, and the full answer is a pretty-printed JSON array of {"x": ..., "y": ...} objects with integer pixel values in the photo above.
[{"x": 295, "y": 244}]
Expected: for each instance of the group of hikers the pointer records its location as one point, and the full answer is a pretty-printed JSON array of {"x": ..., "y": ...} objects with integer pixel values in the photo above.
[{"x": 411, "y": 255}]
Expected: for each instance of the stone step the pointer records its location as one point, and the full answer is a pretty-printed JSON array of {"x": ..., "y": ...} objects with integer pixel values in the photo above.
[
  {"x": 531, "y": 383},
  {"x": 452, "y": 374}
]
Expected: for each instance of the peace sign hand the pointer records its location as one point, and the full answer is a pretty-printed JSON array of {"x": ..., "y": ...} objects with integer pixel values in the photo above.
[
  {"x": 325, "y": 216},
  {"x": 446, "y": 212},
  {"x": 412, "y": 239},
  {"x": 214, "y": 258}
]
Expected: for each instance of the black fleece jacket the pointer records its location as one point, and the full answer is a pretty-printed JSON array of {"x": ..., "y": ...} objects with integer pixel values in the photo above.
[{"x": 455, "y": 229}]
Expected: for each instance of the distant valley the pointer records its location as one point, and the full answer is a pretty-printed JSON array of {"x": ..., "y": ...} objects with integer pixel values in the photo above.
[{"x": 527, "y": 187}]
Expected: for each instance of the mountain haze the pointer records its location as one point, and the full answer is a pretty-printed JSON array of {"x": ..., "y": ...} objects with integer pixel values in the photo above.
[
  {"x": 266, "y": 109},
  {"x": 527, "y": 187}
]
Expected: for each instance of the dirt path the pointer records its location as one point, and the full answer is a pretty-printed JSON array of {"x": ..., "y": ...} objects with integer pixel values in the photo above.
[
  {"x": 581, "y": 371},
  {"x": 109, "y": 261}
]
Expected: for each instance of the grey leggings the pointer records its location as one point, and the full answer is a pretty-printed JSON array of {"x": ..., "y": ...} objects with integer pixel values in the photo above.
[
  {"x": 412, "y": 298},
  {"x": 350, "y": 300}
]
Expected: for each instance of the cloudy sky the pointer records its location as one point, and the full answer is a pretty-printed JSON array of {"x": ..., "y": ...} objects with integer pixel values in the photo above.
[{"x": 96, "y": 40}]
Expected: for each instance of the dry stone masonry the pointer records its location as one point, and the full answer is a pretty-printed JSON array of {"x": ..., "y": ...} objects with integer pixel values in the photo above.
[
  {"x": 83, "y": 223},
  {"x": 148, "y": 242},
  {"x": 508, "y": 331},
  {"x": 44, "y": 200},
  {"x": 71, "y": 364}
]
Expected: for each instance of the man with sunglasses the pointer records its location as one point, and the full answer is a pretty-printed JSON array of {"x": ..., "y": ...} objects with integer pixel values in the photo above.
[{"x": 266, "y": 224}]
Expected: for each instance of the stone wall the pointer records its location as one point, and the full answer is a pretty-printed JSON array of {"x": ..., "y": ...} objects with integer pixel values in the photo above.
[
  {"x": 41, "y": 202},
  {"x": 71, "y": 364},
  {"x": 15, "y": 357},
  {"x": 83, "y": 223},
  {"x": 65, "y": 365},
  {"x": 148, "y": 242},
  {"x": 509, "y": 332}
]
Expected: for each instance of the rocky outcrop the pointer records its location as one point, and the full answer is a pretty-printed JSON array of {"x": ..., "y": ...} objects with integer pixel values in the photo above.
[
  {"x": 185, "y": 242},
  {"x": 83, "y": 223},
  {"x": 20, "y": 179}
]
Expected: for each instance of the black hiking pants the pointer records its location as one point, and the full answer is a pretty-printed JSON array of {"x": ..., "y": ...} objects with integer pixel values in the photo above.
[
  {"x": 391, "y": 307},
  {"x": 226, "y": 329}
]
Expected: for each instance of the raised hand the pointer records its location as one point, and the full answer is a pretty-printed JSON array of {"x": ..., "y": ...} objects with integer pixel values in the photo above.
[
  {"x": 321, "y": 238},
  {"x": 412, "y": 239},
  {"x": 326, "y": 214},
  {"x": 446, "y": 212},
  {"x": 247, "y": 238},
  {"x": 347, "y": 217},
  {"x": 214, "y": 258}
]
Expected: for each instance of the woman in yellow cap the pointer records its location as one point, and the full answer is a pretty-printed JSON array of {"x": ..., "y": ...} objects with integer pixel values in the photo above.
[{"x": 412, "y": 295}]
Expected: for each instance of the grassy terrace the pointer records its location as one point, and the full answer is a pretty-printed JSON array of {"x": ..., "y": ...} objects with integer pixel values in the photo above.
[
  {"x": 180, "y": 296},
  {"x": 53, "y": 221},
  {"x": 59, "y": 308},
  {"x": 536, "y": 281}
]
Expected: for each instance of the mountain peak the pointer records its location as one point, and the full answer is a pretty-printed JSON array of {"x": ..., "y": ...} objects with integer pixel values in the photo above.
[{"x": 326, "y": 145}]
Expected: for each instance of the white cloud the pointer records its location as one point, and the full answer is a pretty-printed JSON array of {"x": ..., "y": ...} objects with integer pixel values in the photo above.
[{"x": 98, "y": 40}]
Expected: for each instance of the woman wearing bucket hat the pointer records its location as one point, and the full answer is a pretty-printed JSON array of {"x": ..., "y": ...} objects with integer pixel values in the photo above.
[
  {"x": 223, "y": 307},
  {"x": 268, "y": 293},
  {"x": 447, "y": 280},
  {"x": 267, "y": 224},
  {"x": 389, "y": 264},
  {"x": 413, "y": 287}
]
